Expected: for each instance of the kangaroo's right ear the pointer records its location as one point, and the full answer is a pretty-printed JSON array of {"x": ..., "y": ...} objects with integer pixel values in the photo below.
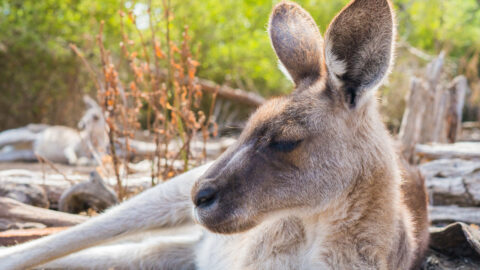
[{"x": 297, "y": 42}]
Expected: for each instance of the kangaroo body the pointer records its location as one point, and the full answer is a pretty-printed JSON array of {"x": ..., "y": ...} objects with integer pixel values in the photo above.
[
  {"x": 60, "y": 144},
  {"x": 313, "y": 182}
]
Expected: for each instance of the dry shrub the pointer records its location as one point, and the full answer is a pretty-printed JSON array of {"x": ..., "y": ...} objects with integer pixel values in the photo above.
[{"x": 158, "y": 81}]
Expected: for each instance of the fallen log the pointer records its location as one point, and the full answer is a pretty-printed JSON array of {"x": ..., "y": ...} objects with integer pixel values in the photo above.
[
  {"x": 30, "y": 194},
  {"x": 453, "y": 213},
  {"x": 14, "y": 237},
  {"x": 453, "y": 181},
  {"x": 446, "y": 168},
  {"x": 15, "y": 211},
  {"x": 147, "y": 149},
  {"x": 463, "y": 150},
  {"x": 55, "y": 184}
]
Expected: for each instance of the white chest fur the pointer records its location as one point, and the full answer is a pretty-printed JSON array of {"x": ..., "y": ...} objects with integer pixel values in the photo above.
[{"x": 280, "y": 244}]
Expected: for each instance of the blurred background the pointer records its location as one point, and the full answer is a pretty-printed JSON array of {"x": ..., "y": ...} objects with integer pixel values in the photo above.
[{"x": 42, "y": 80}]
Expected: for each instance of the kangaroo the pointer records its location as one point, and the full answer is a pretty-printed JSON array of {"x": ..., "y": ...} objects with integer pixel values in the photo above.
[
  {"x": 313, "y": 182},
  {"x": 61, "y": 144}
]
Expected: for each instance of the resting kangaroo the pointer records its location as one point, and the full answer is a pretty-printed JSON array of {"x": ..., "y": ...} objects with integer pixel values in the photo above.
[
  {"x": 312, "y": 183},
  {"x": 60, "y": 144}
]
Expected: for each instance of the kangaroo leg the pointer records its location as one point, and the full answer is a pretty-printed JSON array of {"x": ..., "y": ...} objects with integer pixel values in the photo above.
[
  {"x": 163, "y": 206},
  {"x": 17, "y": 155},
  {"x": 168, "y": 253},
  {"x": 71, "y": 156}
]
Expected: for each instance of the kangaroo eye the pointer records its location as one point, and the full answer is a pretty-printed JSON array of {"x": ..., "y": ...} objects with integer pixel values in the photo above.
[{"x": 284, "y": 146}]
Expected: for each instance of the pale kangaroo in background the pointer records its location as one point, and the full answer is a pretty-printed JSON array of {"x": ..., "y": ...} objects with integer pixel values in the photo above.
[
  {"x": 61, "y": 144},
  {"x": 312, "y": 183}
]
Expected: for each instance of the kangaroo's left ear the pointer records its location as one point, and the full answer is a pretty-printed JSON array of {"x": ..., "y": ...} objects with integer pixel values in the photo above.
[
  {"x": 90, "y": 102},
  {"x": 359, "y": 47},
  {"x": 298, "y": 43}
]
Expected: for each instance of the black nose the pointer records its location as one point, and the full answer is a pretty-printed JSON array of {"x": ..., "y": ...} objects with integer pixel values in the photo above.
[{"x": 205, "y": 197}]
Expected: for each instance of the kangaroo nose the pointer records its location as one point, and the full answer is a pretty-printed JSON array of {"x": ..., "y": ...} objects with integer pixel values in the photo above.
[{"x": 205, "y": 197}]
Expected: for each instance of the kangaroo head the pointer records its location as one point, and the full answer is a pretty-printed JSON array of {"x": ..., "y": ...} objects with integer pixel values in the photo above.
[
  {"x": 308, "y": 149},
  {"x": 93, "y": 123}
]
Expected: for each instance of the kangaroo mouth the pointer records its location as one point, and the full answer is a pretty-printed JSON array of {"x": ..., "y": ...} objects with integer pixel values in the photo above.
[{"x": 223, "y": 220}]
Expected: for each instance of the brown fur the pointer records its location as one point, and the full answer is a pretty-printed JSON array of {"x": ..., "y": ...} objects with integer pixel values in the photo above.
[
  {"x": 416, "y": 199},
  {"x": 322, "y": 153},
  {"x": 301, "y": 54}
]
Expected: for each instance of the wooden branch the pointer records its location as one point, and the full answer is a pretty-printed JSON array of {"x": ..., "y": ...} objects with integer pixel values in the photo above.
[
  {"x": 13, "y": 237},
  {"x": 226, "y": 92},
  {"x": 15, "y": 211},
  {"x": 237, "y": 95},
  {"x": 415, "y": 51}
]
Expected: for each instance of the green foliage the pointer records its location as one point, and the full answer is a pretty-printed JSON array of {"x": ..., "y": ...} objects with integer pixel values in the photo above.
[
  {"x": 234, "y": 44},
  {"x": 41, "y": 79},
  {"x": 433, "y": 25}
]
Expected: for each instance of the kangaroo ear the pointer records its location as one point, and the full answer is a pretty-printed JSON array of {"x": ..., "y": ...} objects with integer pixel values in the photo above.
[
  {"x": 297, "y": 42},
  {"x": 359, "y": 47},
  {"x": 90, "y": 102}
]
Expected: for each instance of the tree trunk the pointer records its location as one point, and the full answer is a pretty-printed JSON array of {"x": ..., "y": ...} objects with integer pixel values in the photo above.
[
  {"x": 410, "y": 128},
  {"x": 433, "y": 113},
  {"x": 457, "y": 92},
  {"x": 431, "y": 103}
]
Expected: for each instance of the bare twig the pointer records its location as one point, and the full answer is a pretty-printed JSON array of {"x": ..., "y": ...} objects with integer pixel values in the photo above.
[{"x": 43, "y": 160}]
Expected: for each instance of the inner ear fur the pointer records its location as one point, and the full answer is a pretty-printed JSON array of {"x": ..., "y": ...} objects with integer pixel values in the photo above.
[
  {"x": 359, "y": 47},
  {"x": 297, "y": 42}
]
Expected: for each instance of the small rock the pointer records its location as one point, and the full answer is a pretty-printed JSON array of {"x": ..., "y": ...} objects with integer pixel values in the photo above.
[{"x": 94, "y": 194}]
